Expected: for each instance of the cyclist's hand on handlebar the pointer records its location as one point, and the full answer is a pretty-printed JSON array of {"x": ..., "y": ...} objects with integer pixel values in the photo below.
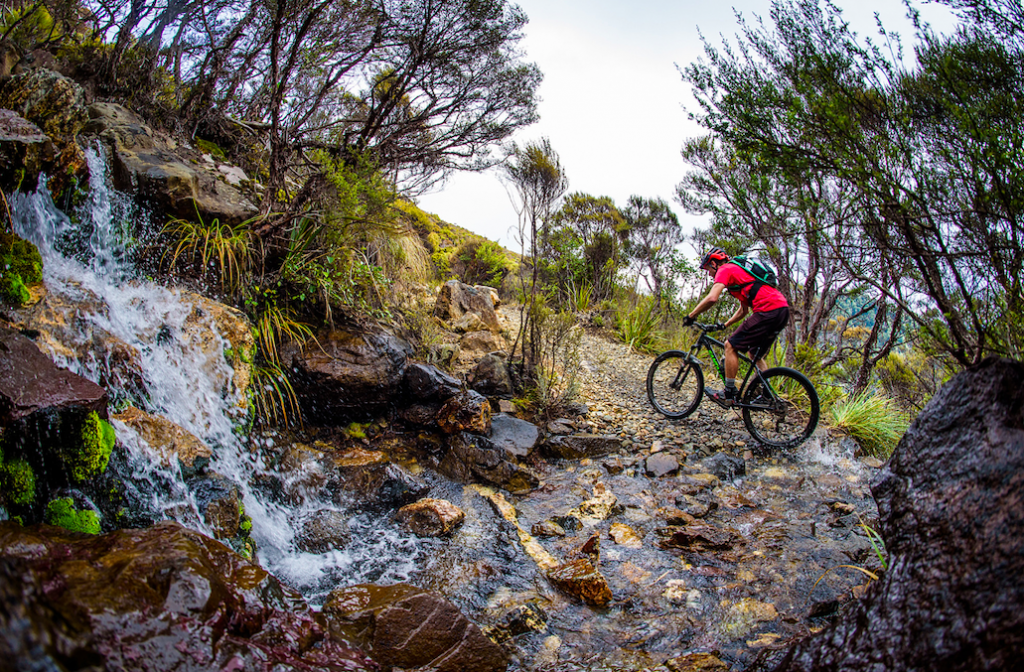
[
  {"x": 688, "y": 321},
  {"x": 718, "y": 326}
]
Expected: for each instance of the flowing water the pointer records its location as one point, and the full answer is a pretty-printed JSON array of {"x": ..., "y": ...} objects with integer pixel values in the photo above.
[{"x": 787, "y": 544}]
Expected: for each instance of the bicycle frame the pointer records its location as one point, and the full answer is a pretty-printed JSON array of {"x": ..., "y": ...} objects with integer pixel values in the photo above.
[{"x": 709, "y": 343}]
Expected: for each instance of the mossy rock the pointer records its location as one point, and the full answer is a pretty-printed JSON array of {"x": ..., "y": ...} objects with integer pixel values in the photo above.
[
  {"x": 62, "y": 513},
  {"x": 21, "y": 265},
  {"x": 92, "y": 454},
  {"x": 18, "y": 482}
]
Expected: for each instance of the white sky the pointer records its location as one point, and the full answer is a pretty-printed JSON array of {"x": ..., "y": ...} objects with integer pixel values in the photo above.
[{"x": 612, "y": 99}]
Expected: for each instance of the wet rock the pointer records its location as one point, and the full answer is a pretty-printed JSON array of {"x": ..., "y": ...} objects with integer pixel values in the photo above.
[
  {"x": 430, "y": 517},
  {"x": 696, "y": 506},
  {"x": 580, "y": 579},
  {"x": 590, "y": 549},
  {"x": 405, "y": 627},
  {"x": 456, "y": 299},
  {"x": 427, "y": 383},
  {"x": 725, "y": 466},
  {"x": 697, "y": 662},
  {"x": 170, "y": 443},
  {"x": 743, "y": 616},
  {"x": 951, "y": 512},
  {"x": 579, "y": 446},
  {"x": 514, "y": 436},
  {"x": 624, "y": 535},
  {"x": 423, "y": 415},
  {"x": 30, "y": 383},
  {"x": 373, "y": 479},
  {"x": 156, "y": 168},
  {"x": 324, "y": 531},
  {"x": 346, "y": 373},
  {"x": 571, "y": 524},
  {"x": 698, "y": 537},
  {"x": 602, "y": 505},
  {"x": 466, "y": 412},
  {"x": 576, "y": 408},
  {"x": 25, "y": 152},
  {"x": 219, "y": 502},
  {"x": 547, "y": 528},
  {"x": 204, "y": 332},
  {"x": 152, "y": 595},
  {"x": 661, "y": 464},
  {"x": 490, "y": 376},
  {"x": 520, "y": 620},
  {"x": 56, "y": 105},
  {"x": 472, "y": 458}
]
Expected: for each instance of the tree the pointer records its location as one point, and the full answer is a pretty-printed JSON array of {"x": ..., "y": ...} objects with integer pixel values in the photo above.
[
  {"x": 652, "y": 233},
  {"x": 810, "y": 99},
  {"x": 583, "y": 247},
  {"x": 535, "y": 173}
]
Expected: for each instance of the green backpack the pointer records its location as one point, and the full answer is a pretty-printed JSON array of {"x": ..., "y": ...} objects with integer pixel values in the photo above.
[{"x": 762, "y": 272}]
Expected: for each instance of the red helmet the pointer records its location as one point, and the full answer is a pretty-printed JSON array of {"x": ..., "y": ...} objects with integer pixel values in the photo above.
[{"x": 714, "y": 254}]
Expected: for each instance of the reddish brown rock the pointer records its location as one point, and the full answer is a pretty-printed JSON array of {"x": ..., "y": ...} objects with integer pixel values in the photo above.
[
  {"x": 580, "y": 579},
  {"x": 430, "y": 517},
  {"x": 466, "y": 412},
  {"x": 162, "y": 598},
  {"x": 405, "y": 627}
]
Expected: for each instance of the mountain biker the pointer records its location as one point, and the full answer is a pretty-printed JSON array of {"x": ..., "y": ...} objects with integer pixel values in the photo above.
[{"x": 757, "y": 334}]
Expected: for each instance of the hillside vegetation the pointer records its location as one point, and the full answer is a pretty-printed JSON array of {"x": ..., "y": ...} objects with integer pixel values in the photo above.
[{"x": 886, "y": 192}]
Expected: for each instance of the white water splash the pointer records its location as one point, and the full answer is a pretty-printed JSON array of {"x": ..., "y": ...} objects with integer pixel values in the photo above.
[{"x": 85, "y": 264}]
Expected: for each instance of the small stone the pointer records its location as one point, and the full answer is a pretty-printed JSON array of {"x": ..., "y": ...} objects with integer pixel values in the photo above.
[
  {"x": 547, "y": 528},
  {"x": 430, "y": 517}
]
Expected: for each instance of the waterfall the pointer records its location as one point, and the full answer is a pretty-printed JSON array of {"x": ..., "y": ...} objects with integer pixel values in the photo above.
[{"x": 87, "y": 259}]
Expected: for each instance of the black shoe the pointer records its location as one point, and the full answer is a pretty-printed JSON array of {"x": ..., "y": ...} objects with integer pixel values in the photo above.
[{"x": 725, "y": 398}]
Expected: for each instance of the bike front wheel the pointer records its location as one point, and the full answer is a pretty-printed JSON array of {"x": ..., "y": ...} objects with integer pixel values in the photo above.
[
  {"x": 675, "y": 384},
  {"x": 784, "y": 415}
]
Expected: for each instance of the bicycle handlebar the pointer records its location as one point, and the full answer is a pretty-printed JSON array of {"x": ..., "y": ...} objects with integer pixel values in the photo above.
[{"x": 709, "y": 327}]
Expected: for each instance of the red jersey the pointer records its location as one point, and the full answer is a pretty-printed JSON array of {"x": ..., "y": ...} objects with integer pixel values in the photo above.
[{"x": 767, "y": 298}]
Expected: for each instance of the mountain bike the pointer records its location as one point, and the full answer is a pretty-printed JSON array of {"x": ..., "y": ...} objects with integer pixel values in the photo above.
[{"x": 779, "y": 406}]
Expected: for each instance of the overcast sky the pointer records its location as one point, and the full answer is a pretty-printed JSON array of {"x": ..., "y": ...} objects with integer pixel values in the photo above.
[{"x": 613, "y": 102}]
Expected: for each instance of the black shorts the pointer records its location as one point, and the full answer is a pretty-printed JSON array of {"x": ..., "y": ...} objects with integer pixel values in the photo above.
[{"x": 759, "y": 331}]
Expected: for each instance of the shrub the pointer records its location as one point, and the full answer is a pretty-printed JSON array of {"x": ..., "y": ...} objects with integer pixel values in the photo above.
[
  {"x": 482, "y": 262},
  {"x": 873, "y": 421},
  {"x": 638, "y": 325}
]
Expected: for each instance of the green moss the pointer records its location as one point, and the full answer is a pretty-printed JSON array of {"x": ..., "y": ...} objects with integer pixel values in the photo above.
[
  {"x": 245, "y": 525},
  {"x": 210, "y": 148},
  {"x": 20, "y": 265},
  {"x": 62, "y": 513},
  {"x": 93, "y": 453},
  {"x": 18, "y": 482}
]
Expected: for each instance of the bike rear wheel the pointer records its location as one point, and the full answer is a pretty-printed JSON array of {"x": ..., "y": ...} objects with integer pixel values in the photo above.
[
  {"x": 675, "y": 384},
  {"x": 786, "y": 418}
]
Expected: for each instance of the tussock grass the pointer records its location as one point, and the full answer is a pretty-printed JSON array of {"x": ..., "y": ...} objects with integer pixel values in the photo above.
[{"x": 873, "y": 420}]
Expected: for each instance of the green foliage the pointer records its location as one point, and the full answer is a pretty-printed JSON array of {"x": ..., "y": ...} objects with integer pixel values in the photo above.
[
  {"x": 28, "y": 26},
  {"x": 482, "y": 262},
  {"x": 555, "y": 380},
  {"x": 872, "y": 420},
  {"x": 877, "y": 543},
  {"x": 637, "y": 324},
  {"x": 209, "y": 147},
  {"x": 20, "y": 265},
  {"x": 18, "y": 482},
  {"x": 202, "y": 244},
  {"x": 273, "y": 399},
  {"x": 90, "y": 456},
  {"x": 62, "y": 513}
]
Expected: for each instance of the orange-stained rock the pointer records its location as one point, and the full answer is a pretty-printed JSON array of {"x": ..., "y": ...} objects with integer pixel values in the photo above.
[
  {"x": 579, "y": 579},
  {"x": 165, "y": 438},
  {"x": 430, "y": 517}
]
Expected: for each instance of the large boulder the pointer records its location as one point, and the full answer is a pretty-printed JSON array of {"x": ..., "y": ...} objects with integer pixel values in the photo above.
[
  {"x": 427, "y": 383},
  {"x": 457, "y": 299},
  {"x": 156, "y": 168},
  {"x": 25, "y": 152},
  {"x": 951, "y": 511},
  {"x": 162, "y": 598},
  {"x": 30, "y": 383},
  {"x": 473, "y": 458},
  {"x": 346, "y": 373},
  {"x": 56, "y": 105},
  {"x": 405, "y": 627}
]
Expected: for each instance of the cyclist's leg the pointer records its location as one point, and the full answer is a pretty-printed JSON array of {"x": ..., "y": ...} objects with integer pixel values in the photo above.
[{"x": 757, "y": 334}]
